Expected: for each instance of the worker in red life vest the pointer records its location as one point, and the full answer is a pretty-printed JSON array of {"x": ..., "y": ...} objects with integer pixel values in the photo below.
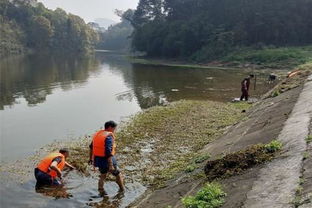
[
  {"x": 102, "y": 155},
  {"x": 245, "y": 87},
  {"x": 50, "y": 168}
]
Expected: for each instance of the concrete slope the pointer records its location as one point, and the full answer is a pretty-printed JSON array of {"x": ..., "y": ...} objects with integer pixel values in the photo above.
[{"x": 278, "y": 180}]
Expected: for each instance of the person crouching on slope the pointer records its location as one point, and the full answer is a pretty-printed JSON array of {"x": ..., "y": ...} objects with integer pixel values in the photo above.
[
  {"x": 102, "y": 155},
  {"x": 50, "y": 168}
]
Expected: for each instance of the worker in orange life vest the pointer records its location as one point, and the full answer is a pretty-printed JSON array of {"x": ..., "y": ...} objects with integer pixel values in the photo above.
[
  {"x": 102, "y": 155},
  {"x": 50, "y": 168}
]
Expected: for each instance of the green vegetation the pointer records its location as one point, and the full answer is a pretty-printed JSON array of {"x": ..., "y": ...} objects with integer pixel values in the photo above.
[
  {"x": 273, "y": 146},
  {"x": 202, "y": 158},
  {"x": 205, "y": 30},
  {"x": 137, "y": 60},
  {"x": 235, "y": 163},
  {"x": 309, "y": 139},
  {"x": 117, "y": 37},
  {"x": 190, "y": 168},
  {"x": 306, "y": 155},
  {"x": 148, "y": 142},
  {"x": 271, "y": 57},
  {"x": 210, "y": 196},
  {"x": 27, "y": 24}
]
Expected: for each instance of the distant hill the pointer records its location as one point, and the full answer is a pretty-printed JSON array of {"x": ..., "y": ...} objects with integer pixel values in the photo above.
[{"x": 104, "y": 22}]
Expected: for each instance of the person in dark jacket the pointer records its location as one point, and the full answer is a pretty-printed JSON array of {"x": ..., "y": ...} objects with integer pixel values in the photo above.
[{"x": 245, "y": 87}]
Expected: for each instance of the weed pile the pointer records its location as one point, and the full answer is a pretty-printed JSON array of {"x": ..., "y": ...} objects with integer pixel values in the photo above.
[
  {"x": 295, "y": 81},
  {"x": 235, "y": 163}
]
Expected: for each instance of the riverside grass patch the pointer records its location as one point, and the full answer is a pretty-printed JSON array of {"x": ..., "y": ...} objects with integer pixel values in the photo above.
[
  {"x": 210, "y": 196},
  {"x": 156, "y": 144},
  {"x": 235, "y": 163},
  {"x": 283, "y": 57}
]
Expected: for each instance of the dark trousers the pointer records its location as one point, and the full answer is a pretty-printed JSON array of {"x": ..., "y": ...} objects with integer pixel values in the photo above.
[
  {"x": 44, "y": 179},
  {"x": 244, "y": 94}
]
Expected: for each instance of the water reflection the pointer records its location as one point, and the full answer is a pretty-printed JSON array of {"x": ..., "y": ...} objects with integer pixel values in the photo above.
[
  {"x": 77, "y": 94},
  {"x": 35, "y": 76},
  {"x": 158, "y": 85}
]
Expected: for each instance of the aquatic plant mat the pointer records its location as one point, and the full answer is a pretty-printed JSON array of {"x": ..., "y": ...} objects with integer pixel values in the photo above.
[
  {"x": 159, "y": 142},
  {"x": 235, "y": 163}
]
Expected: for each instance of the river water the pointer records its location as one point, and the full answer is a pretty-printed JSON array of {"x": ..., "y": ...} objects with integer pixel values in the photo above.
[{"x": 48, "y": 98}]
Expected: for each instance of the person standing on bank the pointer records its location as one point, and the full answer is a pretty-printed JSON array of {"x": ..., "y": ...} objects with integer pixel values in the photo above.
[
  {"x": 102, "y": 155},
  {"x": 50, "y": 168},
  {"x": 245, "y": 87}
]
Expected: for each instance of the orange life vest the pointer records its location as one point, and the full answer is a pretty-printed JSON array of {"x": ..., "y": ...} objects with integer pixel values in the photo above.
[
  {"x": 99, "y": 140},
  {"x": 45, "y": 163}
]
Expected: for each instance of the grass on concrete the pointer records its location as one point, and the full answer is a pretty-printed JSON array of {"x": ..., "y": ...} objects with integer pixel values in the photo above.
[{"x": 210, "y": 196}]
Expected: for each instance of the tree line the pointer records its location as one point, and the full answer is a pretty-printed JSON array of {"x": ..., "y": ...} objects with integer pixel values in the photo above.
[
  {"x": 207, "y": 29},
  {"x": 27, "y": 24},
  {"x": 118, "y": 36}
]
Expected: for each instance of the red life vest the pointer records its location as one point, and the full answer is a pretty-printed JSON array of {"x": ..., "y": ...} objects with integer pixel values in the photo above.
[
  {"x": 99, "y": 140},
  {"x": 45, "y": 163}
]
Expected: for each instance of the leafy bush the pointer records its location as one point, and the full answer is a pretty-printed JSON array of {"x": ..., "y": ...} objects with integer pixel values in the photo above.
[
  {"x": 309, "y": 139},
  {"x": 210, "y": 196},
  {"x": 190, "y": 168},
  {"x": 273, "y": 146}
]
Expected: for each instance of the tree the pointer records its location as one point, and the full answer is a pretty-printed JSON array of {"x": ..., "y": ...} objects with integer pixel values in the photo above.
[{"x": 41, "y": 31}]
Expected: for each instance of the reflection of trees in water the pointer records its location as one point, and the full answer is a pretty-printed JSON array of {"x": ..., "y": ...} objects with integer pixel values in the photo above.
[
  {"x": 141, "y": 81},
  {"x": 155, "y": 85},
  {"x": 34, "y": 77}
]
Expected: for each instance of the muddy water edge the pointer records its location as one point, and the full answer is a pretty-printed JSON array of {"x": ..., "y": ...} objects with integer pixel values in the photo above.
[{"x": 153, "y": 147}]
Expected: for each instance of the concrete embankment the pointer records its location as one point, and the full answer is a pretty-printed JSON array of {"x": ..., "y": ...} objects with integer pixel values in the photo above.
[
  {"x": 285, "y": 117},
  {"x": 278, "y": 180}
]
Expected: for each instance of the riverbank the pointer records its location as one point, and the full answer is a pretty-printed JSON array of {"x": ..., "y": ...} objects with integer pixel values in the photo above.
[
  {"x": 260, "y": 59},
  {"x": 154, "y": 146},
  {"x": 157, "y": 158},
  {"x": 147, "y": 143},
  {"x": 263, "y": 123}
]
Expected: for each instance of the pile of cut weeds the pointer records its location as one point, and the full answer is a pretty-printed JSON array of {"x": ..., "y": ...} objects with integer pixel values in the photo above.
[
  {"x": 295, "y": 81},
  {"x": 235, "y": 163}
]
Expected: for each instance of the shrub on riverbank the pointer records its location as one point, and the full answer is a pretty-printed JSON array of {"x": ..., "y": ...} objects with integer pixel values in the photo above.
[{"x": 211, "y": 195}]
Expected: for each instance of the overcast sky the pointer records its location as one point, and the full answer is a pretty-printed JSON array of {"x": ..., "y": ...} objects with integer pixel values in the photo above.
[{"x": 91, "y": 9}]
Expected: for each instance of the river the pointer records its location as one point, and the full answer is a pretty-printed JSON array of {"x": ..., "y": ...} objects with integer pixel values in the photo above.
[{"x": 48, "y": 98}]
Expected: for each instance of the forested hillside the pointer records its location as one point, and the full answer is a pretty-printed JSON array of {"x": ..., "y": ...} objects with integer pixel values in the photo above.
[
  {"x": 27, "y": 24},
  {"x": 206, "y": 29},
  {"x": 118, "y": 36}
]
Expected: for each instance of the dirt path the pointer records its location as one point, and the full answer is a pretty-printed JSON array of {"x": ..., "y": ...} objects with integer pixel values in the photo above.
[{"x": 278, "y": 181}]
